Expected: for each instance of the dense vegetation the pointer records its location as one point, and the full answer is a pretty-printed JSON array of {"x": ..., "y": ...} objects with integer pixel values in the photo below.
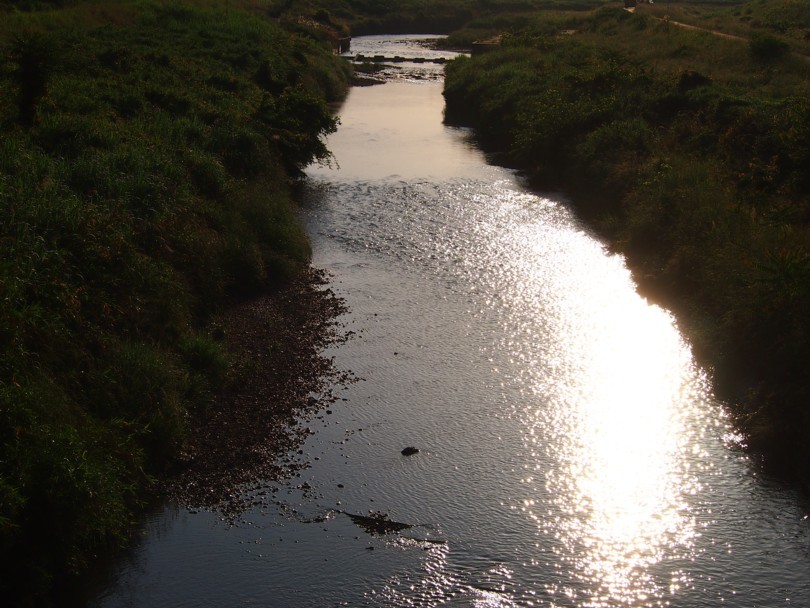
[
  {"x": 690, "y": 152},
  {"x": 145, "y": 162},
  {"x": 146, "y": 153},
  {"x": 424, "y": 16}
]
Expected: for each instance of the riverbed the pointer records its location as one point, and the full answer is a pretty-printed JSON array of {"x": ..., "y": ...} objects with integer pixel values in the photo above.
[{"x": 570, "y": 450}]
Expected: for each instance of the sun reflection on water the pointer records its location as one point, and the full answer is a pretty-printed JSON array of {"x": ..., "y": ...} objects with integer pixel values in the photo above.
[
  {"x": 608, "y": 432},
  {"x": 622, "y": 477}
]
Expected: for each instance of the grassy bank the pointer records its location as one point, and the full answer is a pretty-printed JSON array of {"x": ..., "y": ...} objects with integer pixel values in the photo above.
[
  {"x": 146, "y": 155},
  {"x": 689, "y": 152}
]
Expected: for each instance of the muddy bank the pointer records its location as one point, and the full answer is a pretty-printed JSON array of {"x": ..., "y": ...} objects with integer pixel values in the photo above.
[{"x": 247, "y": 437}]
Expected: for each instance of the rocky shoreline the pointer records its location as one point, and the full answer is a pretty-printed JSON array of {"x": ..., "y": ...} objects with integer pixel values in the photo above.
[{"x": 248, "y": 436}]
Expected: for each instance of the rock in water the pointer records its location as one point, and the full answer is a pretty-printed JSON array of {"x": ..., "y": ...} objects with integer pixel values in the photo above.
[{"x": 377, "y": 523}]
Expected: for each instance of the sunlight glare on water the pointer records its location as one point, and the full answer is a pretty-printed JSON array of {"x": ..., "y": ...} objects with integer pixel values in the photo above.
[
  {"x": 612, "y": 407},
  {"x": 618, "y": 477},
  {"x": 609, "y": 425}
]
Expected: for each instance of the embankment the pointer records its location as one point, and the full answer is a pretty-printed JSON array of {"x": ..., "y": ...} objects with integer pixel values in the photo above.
[{"x": 147, "y": 154}]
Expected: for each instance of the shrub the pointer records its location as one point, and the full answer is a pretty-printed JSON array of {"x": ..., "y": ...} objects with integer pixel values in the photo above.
[
  {"x": 767, "y": 48},
  {"x": 32, "y": 53}
]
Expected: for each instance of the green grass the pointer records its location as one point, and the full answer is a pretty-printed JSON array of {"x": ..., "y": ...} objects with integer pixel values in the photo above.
[{"x": 146, "y": 156}]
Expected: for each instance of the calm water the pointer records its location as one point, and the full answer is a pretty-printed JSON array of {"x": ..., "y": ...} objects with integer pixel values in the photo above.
[{"x": 570, "y": 452}]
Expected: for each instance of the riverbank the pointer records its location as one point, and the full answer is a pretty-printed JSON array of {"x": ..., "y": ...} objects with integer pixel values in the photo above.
[
  {"x": 147, "y": 164},
  {"x": 279, "y": 378}
]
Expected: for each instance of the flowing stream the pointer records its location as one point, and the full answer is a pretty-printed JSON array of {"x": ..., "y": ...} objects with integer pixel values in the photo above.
[{"x": 570, "y": 452}]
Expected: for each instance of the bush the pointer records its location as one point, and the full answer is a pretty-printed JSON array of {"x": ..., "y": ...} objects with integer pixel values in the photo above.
[
  {"x": 32, "y": 52},
  {"x": 767, "y": 48}
]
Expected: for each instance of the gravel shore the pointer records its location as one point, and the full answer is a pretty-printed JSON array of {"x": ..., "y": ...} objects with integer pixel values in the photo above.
[{"x": 280, "y": 378}]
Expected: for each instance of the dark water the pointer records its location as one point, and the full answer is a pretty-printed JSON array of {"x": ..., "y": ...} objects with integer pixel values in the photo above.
[{"x": 571, "y": 453}]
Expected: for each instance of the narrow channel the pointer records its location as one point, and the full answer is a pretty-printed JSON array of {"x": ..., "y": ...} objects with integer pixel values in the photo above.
[{"x": 571, "y": 453}]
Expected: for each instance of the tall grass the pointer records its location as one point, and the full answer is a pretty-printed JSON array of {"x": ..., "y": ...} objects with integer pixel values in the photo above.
[{"x": 145, "y": 162}]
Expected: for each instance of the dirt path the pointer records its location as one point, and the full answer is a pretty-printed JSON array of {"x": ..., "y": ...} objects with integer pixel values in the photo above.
[
  {"x": 724, "y": 35},
  {"x": 700, "y": 29},
  {"x": 717, "y": 33}
]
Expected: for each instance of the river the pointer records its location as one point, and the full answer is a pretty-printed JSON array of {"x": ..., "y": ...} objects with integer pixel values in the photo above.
[{"x": 570, "y": 451}]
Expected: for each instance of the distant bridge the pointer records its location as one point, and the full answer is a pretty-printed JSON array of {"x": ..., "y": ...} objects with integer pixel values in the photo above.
[{"x": 397, "y": 59}]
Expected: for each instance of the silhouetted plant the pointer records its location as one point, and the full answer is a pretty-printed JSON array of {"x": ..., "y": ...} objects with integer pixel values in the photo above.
[
  {"x": 323, "y": 16},
  {"x": 767, "y": 48},
  {"x": 32, "y": 53}
]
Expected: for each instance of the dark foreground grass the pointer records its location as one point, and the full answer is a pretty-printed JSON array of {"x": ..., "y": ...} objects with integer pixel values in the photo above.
[
  {"x": 690, "y": 152},
  {"x": 145, "y": 160}
]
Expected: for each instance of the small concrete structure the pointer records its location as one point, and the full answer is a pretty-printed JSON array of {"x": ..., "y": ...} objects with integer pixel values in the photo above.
[
  {"x": 344, "y": 45},
  {"x": 485, "y": 46}
]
